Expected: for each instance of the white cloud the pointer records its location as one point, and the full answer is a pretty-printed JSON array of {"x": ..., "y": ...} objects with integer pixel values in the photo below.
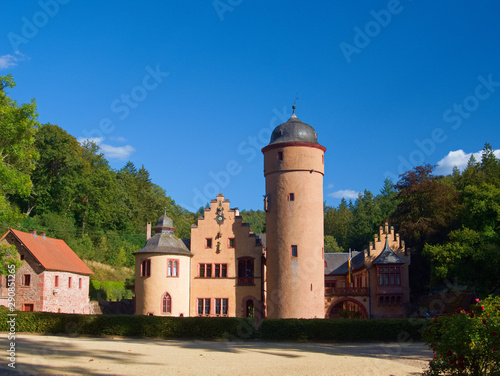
[
  {"x": 111, "y": 152},
  {"x": 95, "y": 140},
  {"x": 458, "y": 158},
  {"x": 330, "y": 186},
  {"x": 7, "y": 61},
  {"x": 117, "y": 152},
  {"x": 344, "y": 193}
]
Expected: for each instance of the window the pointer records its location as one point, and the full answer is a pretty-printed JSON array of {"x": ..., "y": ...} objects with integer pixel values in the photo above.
[
  {"x": 294, "y": 251},
  {"x": 245, "y": 271},
  {"x": 220, "y": 270},
  {"x": 80, "y": 283},
  {"x": 389, "y": 275},
  {"x": 330, "y": 284},
  {"x": 28, "y": 307},
  {"x": 291, "y": 197},
  {"x": 27, "y": 280},
  {"x": 221, "y": 305},
  {"x": 323, "y": 158},
  {"x": 280, "y": 156},
  {"x": 172, "y": 268},
  {"x": 69, "y": 282},
  {"x": 22, "y": 257},
  {"x": 204, "y": 306},
  {"x": 146, "y": 268},
  {"x": 167, "y": 303},
  {"x": 230, "y": 242},
  {"x": 208, "y": 243},
  {"x": 56, "y": 281},
  {"x": 206, "y": 270}
]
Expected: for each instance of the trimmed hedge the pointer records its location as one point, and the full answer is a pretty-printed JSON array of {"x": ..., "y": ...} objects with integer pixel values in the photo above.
[
  {"x": 343, "y": 330},
  {"x": 132, "y": 326},
  {"x": 337, "y": 330}
]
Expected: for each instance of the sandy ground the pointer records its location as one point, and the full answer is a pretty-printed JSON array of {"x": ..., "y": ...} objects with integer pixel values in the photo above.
[{"x": 48, "y": 355}]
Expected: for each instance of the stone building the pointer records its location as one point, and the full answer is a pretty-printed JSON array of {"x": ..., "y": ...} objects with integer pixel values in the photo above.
[
  {"x": 283, "y": 273},
  {"x": 374, "y": 284},
  {"x": 294, "y": 169},
  {"x": 52, "y": 278},
  {"x": 226, "y": 269},
  {"x": 162, "y": 273}
]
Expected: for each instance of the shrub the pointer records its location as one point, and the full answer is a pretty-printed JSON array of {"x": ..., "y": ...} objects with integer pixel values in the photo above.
[
  {"x": 343, "y": 330},
  {"x": 466, "y": 342},
  {"x": 131, "y": 325}
]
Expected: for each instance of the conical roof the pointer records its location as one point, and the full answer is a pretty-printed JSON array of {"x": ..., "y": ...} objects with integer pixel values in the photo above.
[{"x": 164, "y": 241}]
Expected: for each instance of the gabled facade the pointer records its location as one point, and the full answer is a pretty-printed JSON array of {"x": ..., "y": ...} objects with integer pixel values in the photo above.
[
  {"x": 377, "y": 283},
  {"x": 226, "y": 268},
  {"x": 52, "y": 278}
]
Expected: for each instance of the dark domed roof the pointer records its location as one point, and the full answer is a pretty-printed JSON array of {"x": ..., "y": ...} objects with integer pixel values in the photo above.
[
  {"x": 164, "y": 223},
  {"x": 294, "y": 131}
]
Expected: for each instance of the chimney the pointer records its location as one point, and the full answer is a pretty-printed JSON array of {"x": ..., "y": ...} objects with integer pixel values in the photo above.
[
  {"x": 42, "y": 234},
  {"x": 148, "y": 231},
  {"x": 33, "y": 232}
]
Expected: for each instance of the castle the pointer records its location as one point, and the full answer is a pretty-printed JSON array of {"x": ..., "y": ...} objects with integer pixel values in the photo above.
[{"x": 226, "y": 270}]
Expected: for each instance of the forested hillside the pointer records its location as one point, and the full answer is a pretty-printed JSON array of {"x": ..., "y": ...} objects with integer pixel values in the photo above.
[{"x": 52, "y": 183}]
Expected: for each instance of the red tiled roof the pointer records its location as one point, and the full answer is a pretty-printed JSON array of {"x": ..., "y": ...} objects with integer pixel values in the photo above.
[{"x": 53, "y": 254}]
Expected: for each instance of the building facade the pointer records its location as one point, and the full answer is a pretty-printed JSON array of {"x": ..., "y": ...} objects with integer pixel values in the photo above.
[
  {"x": 374, "y": 284},
  {"x": 51, "y": 279},
  {"x": 162, "y": 273},
  {"x": 226, "y": 269},
  {"x": 294, "y": 169}
]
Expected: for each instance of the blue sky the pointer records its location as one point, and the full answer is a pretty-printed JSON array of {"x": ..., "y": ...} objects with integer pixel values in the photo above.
[{"x": 192, "y": 89}]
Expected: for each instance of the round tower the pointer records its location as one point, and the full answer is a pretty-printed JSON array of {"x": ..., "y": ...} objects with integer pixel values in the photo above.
[
  {"x": 162, "y": 273},
  {"x": 294, "y": 169}
]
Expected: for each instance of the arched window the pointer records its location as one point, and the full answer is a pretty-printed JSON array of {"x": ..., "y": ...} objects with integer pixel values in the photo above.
[
  {"x": 167, "y": 303},
  {"x": 249, "y": 308}
]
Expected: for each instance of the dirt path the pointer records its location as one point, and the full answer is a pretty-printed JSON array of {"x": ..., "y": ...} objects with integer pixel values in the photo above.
[{"x": 36, "y": 354}]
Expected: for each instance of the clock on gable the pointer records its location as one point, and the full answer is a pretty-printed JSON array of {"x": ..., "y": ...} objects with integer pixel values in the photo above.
[{"x": 219, "y": 214}]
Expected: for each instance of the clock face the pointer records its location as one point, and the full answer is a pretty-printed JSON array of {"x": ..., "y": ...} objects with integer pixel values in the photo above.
[{"x": 219, "y": 217}]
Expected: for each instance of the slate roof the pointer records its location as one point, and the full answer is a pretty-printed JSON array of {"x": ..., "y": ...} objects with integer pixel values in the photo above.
[
  {"x": 53, "y": 254},
  {"x": 387, "y": 256},
  {"x": 294, "y": 131},
  {"x": 336, "y": 263},
  {"x": 164, "y": 241}
]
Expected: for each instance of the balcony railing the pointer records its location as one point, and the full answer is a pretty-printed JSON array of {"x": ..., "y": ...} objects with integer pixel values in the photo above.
[{"x": 346, "y": 291}]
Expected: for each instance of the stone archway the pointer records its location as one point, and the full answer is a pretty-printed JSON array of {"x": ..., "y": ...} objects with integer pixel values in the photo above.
[{"x": 347, "y": 308}]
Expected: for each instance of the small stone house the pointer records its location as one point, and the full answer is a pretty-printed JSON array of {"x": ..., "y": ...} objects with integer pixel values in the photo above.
[{"x": 52, "y": 278}]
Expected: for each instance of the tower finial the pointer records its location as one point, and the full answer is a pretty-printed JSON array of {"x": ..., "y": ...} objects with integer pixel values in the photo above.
[
  {"x": 165, "y": 211},
  {"x": 294, "y": 107}
]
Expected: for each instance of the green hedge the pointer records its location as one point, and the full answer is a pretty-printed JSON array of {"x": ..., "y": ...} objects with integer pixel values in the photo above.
[
  {"x": 337, "y": 330},
  {"x": 131, "y": 325},
  {"x": 343, "y": 330}
]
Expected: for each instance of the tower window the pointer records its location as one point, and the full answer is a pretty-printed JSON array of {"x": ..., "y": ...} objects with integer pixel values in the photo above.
[
  {"x": 280, "y": 156},
  {"x": 291, "y": 197},
  {"x": 167, "y": 303},
  {"x": 323, "y": 158},
  {"x": 294, "y": 251},
  {"x": 56, "y": 281},
  {"x": 146, "y": 268}
]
